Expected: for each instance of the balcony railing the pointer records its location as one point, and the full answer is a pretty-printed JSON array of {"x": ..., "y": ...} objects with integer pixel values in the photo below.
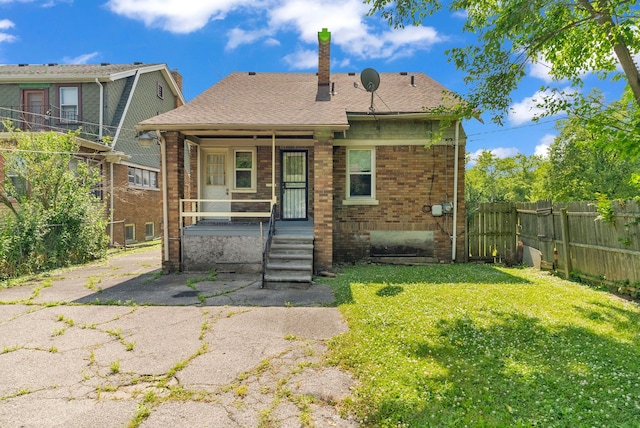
[
  {"x": 224, "y": 210},
  {"x": 48, "y": 118}
]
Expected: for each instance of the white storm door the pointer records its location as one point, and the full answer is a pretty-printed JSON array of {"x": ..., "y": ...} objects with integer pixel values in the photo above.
[{"x": 216, "y": 183}]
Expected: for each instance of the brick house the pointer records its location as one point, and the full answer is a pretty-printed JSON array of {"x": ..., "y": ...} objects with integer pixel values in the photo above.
[
  {"x": 105, "y": 101},
  {"x": 358, "y": 168}
]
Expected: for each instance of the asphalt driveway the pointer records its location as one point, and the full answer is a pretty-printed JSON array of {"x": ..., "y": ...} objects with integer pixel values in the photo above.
[{"x": 116, "y": 344}]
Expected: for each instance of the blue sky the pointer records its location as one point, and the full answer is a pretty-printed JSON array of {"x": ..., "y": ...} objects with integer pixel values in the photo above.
[{"x": 207, "y": 39}]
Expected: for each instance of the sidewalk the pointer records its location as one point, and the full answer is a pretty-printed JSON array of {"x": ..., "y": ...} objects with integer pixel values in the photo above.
[{"x": 118, "y": 344}]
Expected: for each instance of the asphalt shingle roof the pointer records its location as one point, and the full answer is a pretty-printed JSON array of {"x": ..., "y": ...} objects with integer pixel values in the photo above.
[
  {"x": 289, "y": 99},
  {"x": 53, "y": 72}
]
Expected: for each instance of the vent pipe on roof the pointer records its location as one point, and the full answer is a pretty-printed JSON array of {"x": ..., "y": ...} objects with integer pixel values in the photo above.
[
  {"x": 413, "y": 80},
  {"x": 324, "y": 62}
]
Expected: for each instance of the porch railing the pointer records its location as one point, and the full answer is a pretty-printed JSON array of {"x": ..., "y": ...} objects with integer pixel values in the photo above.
[
  {"x": 267, "y": 242},
  {"x": 48, "y": 117},
  {"x": 199, "y": 209}
]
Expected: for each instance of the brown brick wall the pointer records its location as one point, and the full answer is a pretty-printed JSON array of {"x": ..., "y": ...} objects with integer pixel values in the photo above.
[
  {"x": 132, "y": 205},
  {"x": 409, "y": 180},
  {"x": 175, "y": 191},
  {"x": 323, "y": 206}
]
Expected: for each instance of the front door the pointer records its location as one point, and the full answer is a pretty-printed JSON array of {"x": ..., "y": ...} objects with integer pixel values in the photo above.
[
  {"x": 294, "y": 191},
  {"x": 34, "y": 108},
  {"x": 216, "y": 183}
]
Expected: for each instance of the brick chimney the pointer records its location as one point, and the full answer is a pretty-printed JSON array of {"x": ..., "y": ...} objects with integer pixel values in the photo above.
[
  {"x": 178, "y": 78},
  {"x": 324, "y": 61}
]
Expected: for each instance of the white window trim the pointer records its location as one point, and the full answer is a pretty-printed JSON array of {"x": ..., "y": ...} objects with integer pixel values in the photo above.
[
  {"x": 361, "y": 200},
  {"x": 153, "y": 231},
  {"x": 128, "y": 241},
  {"x": 254, "y": 174},
  {"x": 142, "y": 170},
  {"x": 76, "y": 105}
]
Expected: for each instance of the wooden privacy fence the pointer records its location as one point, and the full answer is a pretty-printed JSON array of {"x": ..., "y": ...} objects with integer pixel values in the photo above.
[{"x": 572, "y": 238}]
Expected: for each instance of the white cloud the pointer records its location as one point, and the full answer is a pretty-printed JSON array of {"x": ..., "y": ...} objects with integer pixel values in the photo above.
[
  {"x": 80, "y": 59},
  {"x": 239, "y": 37},
  {"x": 5, "y": 24},
  {"x": 540, "y": 69},
  {"x": 460, "y": 14},
  {"x": 346, "y": 19},
  {"x": 542, "y": 149},
  {"x": 529, "y": 108},
  {"x": 302, "y": 59},
  {"x": 175, "y": 16}
]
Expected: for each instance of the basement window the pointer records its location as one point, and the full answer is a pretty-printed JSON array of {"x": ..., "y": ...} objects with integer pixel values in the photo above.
[
  {"x": 149, "y": 231},
  {"x": 129, "y": 233}
]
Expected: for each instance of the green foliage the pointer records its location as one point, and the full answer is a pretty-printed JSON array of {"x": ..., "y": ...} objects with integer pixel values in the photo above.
[
  {"x": 583, "y": 163},
  {"x": 574, "y": 38},
  {"x": 477, "y": 345},
  {"x": 57, "y": 221},
  {"x": 493, "y": 179}
]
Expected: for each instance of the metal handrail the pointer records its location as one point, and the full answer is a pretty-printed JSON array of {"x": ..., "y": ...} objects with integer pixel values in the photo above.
[{"x": 267, "y": 243}]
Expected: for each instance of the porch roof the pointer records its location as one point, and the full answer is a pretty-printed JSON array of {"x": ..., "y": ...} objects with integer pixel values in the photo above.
[{"x": 287, "y": 101}]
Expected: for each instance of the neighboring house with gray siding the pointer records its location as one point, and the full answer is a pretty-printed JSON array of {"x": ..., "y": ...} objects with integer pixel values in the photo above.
[{"x": 105, "y": 101}]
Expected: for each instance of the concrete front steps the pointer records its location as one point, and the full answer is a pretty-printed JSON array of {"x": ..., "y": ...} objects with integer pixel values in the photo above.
[{"x": 289, "y": 262}]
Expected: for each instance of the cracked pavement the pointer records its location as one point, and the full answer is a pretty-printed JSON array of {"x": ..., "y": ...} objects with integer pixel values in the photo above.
[{"x": 116, "y": 344}]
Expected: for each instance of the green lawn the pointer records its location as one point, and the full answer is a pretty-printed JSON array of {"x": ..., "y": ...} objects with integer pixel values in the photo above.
[{"x": 481, "y": 345}]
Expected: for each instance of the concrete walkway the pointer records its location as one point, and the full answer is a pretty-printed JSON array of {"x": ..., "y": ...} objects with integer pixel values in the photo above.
[{"x": 117, "y": 344}]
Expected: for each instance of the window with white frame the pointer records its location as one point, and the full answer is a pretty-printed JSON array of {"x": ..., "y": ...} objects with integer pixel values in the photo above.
[
  {"x": 140, "y": 177},
  {"x": 361, "y": 180},
  {"x": 129, "y": 233},
  {"x": 68, "y": 103},
  {"x": 244, "y": 172},
  {"x": 149, "y": 231}
]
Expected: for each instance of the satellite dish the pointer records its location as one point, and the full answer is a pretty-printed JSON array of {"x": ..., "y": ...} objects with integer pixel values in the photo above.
[{"x": 370, "y": 79}]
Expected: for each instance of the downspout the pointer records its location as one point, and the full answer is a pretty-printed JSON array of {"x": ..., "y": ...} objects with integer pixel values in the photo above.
[
  {"x": 165, "y": 203},
  {"x": 454, "y": 239},
  {"x": 101, "y": 113},
  {"x": 100, "y": 135},
  {"x": 111, "y": 201}
]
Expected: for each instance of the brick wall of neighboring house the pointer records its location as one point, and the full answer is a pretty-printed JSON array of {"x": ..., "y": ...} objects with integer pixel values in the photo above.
[
  {"x": 409, "y": 180},
  {"x": 133, "y": 205}
]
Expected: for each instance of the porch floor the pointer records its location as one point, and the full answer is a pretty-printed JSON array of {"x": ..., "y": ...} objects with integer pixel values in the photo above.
[{"x": 214, "y": 228}]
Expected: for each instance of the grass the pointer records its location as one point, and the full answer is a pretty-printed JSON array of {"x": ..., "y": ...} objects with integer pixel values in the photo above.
[{"x": 480, "y": 345}]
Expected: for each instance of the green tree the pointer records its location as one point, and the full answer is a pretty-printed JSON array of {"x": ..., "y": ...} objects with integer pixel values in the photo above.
[
  {"x": 57, "y": 220},
  {"x": 583, "y": 166},
  {"x": 573, "y": 37},
  {"x": 493, "y": 179}
]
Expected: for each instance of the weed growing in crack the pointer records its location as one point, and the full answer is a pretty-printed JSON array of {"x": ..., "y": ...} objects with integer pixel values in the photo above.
[
  {"x": 7, "y": 349},
  {"x": 53, "y": 349},
  {"x": 91, "y": 284},
  {"x": 59, "y": 331},
  {"x": 142, "y": 413},
  {"x": 129, "y": 346},
  {"x": 115, "y": 367},
  {"x": 241, "y": 390}
]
